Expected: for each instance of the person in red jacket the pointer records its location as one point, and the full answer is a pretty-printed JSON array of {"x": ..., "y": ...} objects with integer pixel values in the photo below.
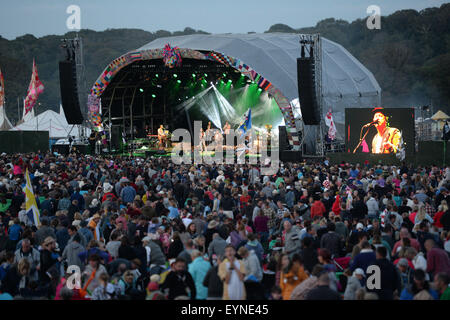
[
  {"x": 336, "y": 208},
  {"x": 317, "y": 208}
]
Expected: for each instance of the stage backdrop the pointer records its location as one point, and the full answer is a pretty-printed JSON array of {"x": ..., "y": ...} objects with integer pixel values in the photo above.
[{"x": 398, "y": 136}]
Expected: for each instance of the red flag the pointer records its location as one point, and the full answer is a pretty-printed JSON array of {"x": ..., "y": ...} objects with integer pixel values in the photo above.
[
  {"x": 34, "y": 90},
  {"x": 2, "y": 89},
  {"x": 330, "y": 123}
]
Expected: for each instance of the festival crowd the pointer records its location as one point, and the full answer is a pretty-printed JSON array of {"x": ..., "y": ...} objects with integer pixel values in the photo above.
[{"x": 117, "y": 228}]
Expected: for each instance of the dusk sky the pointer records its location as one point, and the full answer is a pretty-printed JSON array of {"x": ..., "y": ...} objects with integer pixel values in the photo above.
[{"x": 45, "y": 17}]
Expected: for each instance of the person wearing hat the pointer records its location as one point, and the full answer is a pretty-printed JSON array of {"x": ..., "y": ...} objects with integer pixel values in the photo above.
[
  {"x": 49, "y": 261},
  {"x": 153, "y": 292},
  {"x": 406, "y": 272},
  {"x": 179, "y": 281},
  {"x": 354, "y": 283},
  {"x": 387, "y": 139},
  {"x": 211, "y": 229}
]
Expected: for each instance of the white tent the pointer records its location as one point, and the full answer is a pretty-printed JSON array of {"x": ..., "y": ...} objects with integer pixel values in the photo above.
[
  {"x": 55, "y": 123},
  {"x": 5, "y": 124}
]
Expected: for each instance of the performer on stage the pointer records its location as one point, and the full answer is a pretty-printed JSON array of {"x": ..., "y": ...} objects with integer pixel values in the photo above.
[
  {"x": 202, "y": 137},
  {"x": 387, "y": 139},
  {"x": 226, "y": 128},
  {"x": 162, "y": 136},
  {"x": 92, "y": 140}
]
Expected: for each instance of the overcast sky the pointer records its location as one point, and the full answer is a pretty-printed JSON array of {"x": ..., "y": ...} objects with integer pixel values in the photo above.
[{"x": 45, "y": 17}]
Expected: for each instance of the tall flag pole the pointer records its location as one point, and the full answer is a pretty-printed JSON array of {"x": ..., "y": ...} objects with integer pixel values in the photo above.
[
  {"x": 30, "y": 202},
  {"x": 34, "y": 90}
]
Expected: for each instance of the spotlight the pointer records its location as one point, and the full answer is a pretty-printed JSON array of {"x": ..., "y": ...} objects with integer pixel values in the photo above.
[
  {"x": 141, "y": 90},
  {"x": 242, "y": 75},
  {"x": 259, "y": 89},
  {"x": 157, "y": 75},
  {"x": 175, "y": 75},
  {"x": 224, "y": 74},
  {"x": 193, "y": 75},
  {"x": 179, "y": 81},
  {"x": 230, "y": 80},
  {"x": 206, "y": 75},
  {"x": 153, "y": 95},
  {"x": 249, "y": 81}
]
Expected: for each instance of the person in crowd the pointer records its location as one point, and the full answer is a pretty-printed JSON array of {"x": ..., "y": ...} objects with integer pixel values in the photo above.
[
  {"x": 252, "y": 265},
  {"x": 232, "y": 272},
  {"x": 179, "y": 282},
  {"x": 322, "y": 291},
  {"x": 354, "y": 283},
  {"x": 292, "y": 276},
  {"x": 139, "y": 215},
  {"x": 199, "y": 269},
  {"x": 419, "y": 289}
]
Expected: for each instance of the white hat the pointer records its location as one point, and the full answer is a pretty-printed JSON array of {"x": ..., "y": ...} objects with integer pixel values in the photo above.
[
  {"x": 107, "y": 187},
  {"x": 359, "y": 271},
  {"x": 359, "y": 226},
  {"x": 94, "y": 203}
]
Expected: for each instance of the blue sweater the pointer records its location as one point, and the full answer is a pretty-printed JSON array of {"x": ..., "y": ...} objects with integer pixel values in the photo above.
[{"x": 363, "y": 260}]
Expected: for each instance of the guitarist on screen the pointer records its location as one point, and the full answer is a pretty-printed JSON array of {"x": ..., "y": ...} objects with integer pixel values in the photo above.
[{"x": 387, "y": 139}]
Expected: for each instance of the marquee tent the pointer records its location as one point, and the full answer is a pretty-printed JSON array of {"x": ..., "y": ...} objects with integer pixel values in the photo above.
[{"x": 51, "y": 121}]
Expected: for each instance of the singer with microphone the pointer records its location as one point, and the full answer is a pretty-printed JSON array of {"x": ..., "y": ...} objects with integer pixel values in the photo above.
[{"x": 387, "y": 139}]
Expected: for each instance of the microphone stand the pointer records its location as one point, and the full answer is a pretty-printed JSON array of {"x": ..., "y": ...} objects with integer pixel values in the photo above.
[{"x": 361, "y": 139}]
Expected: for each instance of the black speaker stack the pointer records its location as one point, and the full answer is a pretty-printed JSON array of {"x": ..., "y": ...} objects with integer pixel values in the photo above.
[
  {"x": 307, "y": 90},
  {"x": 69, "y": 92}
]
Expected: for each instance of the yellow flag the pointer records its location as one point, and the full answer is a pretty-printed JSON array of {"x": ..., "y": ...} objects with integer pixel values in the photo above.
[{"x": 30, "y": 202}]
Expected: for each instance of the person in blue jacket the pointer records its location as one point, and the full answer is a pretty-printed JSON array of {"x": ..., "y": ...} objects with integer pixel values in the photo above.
[{"x": 419, "y": 284}]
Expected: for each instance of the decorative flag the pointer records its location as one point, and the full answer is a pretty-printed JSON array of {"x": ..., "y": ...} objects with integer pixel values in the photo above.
[
  {"x": 34, "y": 90},
  {"x": 2, "y": 89},
  {"x": 326, "y": 184},
  {"x": 171, "y": 56},
  {"x": 247, "y": 123},
  {"x": 383, "y": 217},
  {"x": 330, "y": 123},
  {"x": 30, "y": 202}
]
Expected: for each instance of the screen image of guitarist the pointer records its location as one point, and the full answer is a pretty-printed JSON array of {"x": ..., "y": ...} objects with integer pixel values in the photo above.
[
  {"x": 387, "y": 139},
  {"x": 380, "y": 131}
]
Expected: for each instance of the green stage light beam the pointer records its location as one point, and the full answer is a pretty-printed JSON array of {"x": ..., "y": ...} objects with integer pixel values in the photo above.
[
  {"x": 153, "y": 95},
  {"x": 175, "y": 75},
  {"x": 179, "y": 81},
  {"x": 141, "y": 90}
]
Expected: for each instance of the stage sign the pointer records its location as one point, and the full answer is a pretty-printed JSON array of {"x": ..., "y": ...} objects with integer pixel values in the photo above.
[{"x": 379, "y": 130}]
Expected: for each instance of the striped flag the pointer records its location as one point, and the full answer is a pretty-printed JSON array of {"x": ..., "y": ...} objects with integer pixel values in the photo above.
[
  {"x": 30, "y": 202},
  {"x": 34, "y": 90},
  {"x": 330, "y": 123},
  {"x": 2, "y": 89}
]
